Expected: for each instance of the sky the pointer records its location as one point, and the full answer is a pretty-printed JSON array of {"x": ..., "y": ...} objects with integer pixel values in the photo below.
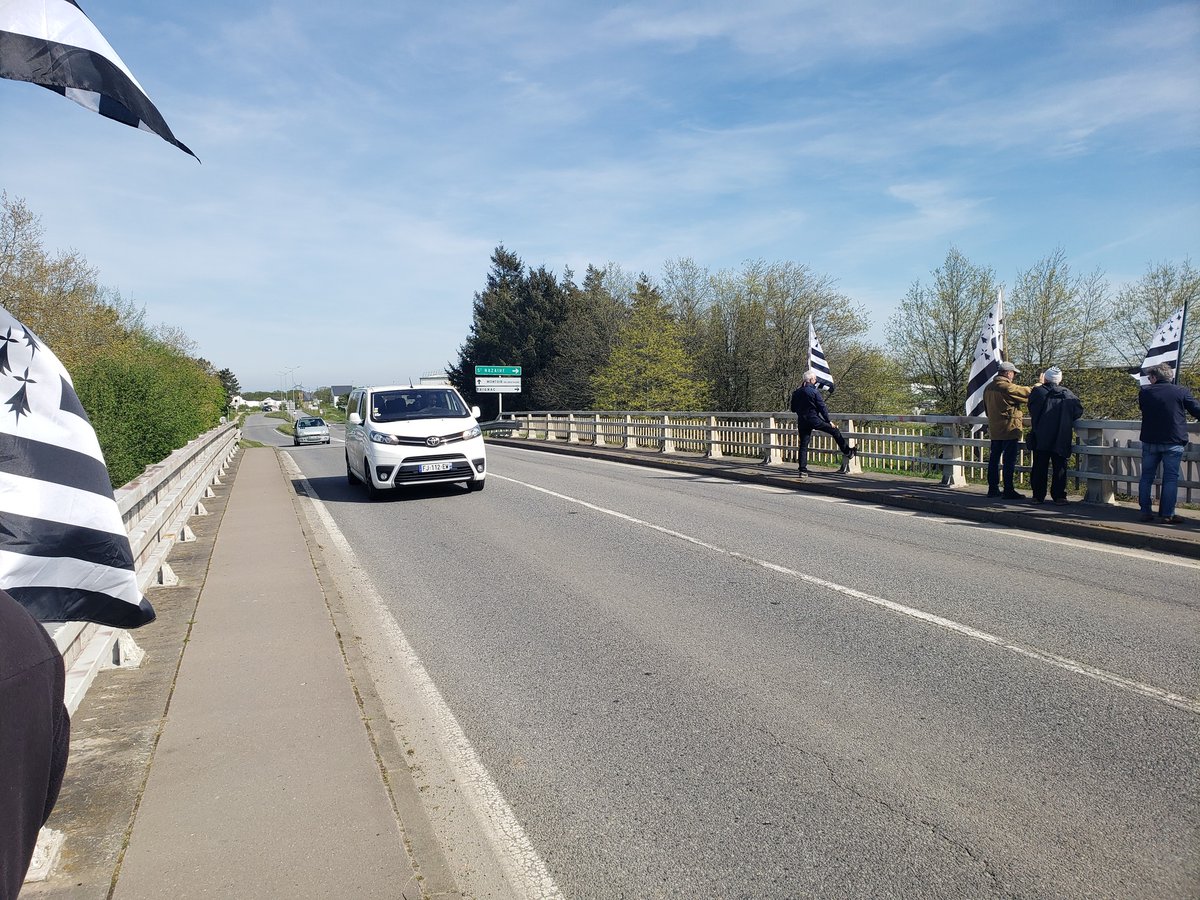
[{"x": 360, "y": 161}]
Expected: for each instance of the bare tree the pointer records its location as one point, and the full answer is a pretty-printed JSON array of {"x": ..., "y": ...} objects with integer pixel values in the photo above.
[
  {"x": 1138, "y": 309},
  {"x": 1053, "y": 316},
  {"x": 933, "y": 333}
]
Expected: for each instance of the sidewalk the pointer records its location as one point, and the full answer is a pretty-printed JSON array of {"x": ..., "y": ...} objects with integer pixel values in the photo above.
[
  {"x": 237, "y": 761},
  {"x": 1110, "y": 524}
]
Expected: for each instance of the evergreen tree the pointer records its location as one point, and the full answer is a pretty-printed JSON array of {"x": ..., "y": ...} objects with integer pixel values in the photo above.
[
  {"x": 648, "y": 368},
  {"x": 583, "y": 341},
  {"x": 494, "y": 311}
]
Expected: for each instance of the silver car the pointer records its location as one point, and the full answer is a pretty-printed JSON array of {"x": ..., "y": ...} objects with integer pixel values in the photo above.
[{"x": 310, "y": 430}]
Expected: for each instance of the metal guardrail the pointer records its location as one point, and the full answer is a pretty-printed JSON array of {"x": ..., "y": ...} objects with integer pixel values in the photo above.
[
  {"x": 155, "y": 508},
  {"x": 1107, "y": 453}
]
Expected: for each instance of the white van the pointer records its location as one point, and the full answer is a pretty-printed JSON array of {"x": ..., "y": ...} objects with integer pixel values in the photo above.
[{"x": 423, "y": 434}]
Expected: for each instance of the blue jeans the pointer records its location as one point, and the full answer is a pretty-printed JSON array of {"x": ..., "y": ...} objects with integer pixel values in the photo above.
[
  {"x": 1170, "y": 455},
  {"x": 1005, "y": 451}
]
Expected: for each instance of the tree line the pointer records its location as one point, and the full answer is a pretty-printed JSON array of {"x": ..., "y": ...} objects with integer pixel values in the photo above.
[
  {"x": 738, "y": 340},
  {"x": 144, "y": 390}
]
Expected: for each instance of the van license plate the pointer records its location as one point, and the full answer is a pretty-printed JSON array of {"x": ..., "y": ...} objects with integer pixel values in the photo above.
[{"x": 435, "y": 467}]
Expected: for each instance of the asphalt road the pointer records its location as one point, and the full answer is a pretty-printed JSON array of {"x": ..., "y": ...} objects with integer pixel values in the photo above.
[{"x": 684, "y": 687}]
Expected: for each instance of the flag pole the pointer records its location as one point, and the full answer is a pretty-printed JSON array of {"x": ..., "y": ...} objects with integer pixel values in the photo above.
[{"x": 1182, "y": 334}]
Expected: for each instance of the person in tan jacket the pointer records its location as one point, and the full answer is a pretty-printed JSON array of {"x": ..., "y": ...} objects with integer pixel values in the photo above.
[{"x": 1002, "y": 399}]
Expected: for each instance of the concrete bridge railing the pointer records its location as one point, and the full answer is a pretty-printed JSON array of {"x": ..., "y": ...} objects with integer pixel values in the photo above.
[
  {"x": 951, "y": 448},
  {"x": 155, "y": 507}
]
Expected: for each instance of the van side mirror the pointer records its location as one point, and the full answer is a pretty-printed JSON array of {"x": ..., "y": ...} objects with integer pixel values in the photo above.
[
  {"x": 475, "y": 411},
  {"x": 354, "y": 418}
]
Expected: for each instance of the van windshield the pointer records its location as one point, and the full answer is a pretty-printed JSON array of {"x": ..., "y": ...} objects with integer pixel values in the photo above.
[{"x": 400, "y": 405}]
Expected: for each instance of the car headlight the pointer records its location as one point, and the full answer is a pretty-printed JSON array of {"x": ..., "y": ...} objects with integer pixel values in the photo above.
[
  {"x": 379, "y": 437},
  {"x": 472, "y": 433}
]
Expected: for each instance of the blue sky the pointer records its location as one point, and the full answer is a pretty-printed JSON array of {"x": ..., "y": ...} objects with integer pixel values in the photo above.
[{"x": 361, "y": 160}]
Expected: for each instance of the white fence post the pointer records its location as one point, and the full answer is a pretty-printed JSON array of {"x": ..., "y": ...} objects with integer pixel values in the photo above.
[
  {"x": 953, "y": 473},
  {"x": 668, "y": 436},
  {"x": 1101, "y": 488},
  {"x": 772, "y": 451},
  {"x": 714, "y": 439}
]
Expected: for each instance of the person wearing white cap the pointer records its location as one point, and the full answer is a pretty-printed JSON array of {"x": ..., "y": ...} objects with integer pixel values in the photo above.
[
  {"x": 1053, "y": 410},
  {"x": 1002, "y": 400}
]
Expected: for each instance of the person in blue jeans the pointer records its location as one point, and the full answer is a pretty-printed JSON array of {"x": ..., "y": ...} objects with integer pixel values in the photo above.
[{"x": 1164, "y": 437}]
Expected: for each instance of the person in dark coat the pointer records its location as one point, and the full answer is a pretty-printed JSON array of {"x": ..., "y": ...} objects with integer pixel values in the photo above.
[
  {"x": 1053, "y": 410},
  {"x": 35, "y": 732},
  {"x": 1164, "y": 437},
  {"x": 812, "y": 415}
]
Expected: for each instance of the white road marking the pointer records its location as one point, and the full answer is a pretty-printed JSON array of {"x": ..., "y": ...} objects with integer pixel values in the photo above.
[
  {"x": 1077, "y": 543},
  {"x": 525, "y": 867},
  {"x": 1179, "y": 701}
]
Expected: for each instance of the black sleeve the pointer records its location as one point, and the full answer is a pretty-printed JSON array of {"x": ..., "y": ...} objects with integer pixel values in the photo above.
[{"x": 34, "y": 737}]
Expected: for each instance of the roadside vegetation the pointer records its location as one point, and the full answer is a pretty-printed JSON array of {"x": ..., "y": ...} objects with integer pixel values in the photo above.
[{"x": 144, "y": 389}]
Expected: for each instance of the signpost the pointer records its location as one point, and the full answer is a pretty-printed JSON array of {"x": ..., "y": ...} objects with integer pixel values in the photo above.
[{"x": 498, "y": 380}]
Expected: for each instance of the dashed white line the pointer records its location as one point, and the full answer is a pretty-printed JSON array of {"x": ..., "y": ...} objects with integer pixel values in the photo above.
[{"x": 1170, "y": 698}]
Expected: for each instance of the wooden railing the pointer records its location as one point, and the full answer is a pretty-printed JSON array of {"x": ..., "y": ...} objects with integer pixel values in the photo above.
[{"x": 1107, "y": 455}]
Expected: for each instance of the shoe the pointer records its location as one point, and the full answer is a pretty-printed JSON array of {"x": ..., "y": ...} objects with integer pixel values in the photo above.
[
  {"x": 1146, "y": 517},
  {"x": 1174, "y": 520},
  {"x": 1012, "y": 495},
  {"x": 994, "y": 494},
  {"x": 1062, "y": 501},
  {"x": 843, "y": 469},
  {"x": 1040, "y": 500},
  {"x": 851, "y": 452},
  {"x": 804, "y": 473}
]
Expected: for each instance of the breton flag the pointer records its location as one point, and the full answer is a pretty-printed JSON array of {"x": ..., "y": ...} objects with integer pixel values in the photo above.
[
  {"x": 816, "y": 359},
  {"x": 989, "y": 353},
  {"x": 64, "y": 552},
  {"x": 1164, "y": 346},
  {"x": 52, "y": 43}
]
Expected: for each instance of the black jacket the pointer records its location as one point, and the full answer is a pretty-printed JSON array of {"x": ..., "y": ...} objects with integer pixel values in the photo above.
[
  {"x": 809, "y": 406},
  {"x": 1053, "y": 410},
  {"x": 34, "y": 735},
  {"x": 1163, "y": 419}
]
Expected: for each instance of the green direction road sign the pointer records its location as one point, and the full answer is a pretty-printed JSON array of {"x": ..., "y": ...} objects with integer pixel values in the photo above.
[{"x": 498, "y": 370}]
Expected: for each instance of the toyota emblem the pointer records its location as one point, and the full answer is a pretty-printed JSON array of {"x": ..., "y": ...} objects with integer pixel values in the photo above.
[{"x": 433, "y": 440}]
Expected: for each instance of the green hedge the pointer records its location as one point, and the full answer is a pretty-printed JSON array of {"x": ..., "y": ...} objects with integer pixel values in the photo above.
[{"x": 146, "y": 405}]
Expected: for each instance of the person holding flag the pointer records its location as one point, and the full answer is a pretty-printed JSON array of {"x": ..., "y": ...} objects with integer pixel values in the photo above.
[
  {"x": 1002, "y": 400},
  {"x": 812, "y": 415},
  {"x": 1164, "y": 437}
]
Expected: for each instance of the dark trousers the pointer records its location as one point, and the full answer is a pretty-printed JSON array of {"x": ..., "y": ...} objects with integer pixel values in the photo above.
[
  {"x": 807, "y": 428},
  {"x": 1006, "y": 452},
  {"x": 1043, "y": 460}
]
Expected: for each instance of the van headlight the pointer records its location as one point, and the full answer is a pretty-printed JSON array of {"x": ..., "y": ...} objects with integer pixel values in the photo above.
[
  {"x": 379, "y": 437},
  {"x": 472, "y": 433}
]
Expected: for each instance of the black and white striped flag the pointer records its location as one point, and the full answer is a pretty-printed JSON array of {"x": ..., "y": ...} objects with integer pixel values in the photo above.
[
  {"x": 989, "y": 353},
  {"x": 52, "y": 43},
  {"x": 1164, "y": 346},
  {"x": 816, "y": 359},
  {"x": 64, "y": 552}
]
